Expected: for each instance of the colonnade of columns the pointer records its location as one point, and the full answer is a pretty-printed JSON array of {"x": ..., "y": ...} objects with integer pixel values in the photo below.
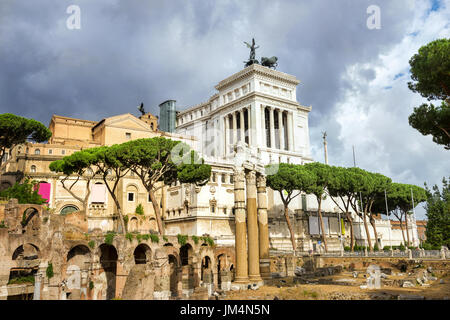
[
  {"x": 237, "y": 128},
  {"x": 276, "y": 128},
  {"x": 252, "y": 230}
]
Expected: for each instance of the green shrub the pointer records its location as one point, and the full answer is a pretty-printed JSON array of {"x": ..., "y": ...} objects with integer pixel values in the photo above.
[
  {"x": 21, "y": 280},
  {"x": 146, "y": 237},
  {"x": 139, "y": 210},
  {"x": 182, "y": 239},
  {"x": 165, "y": 239},
  {"x": 91, "y": 285},
  {"x": 154, "y": 238},
  {"x": 195, "y": 239},
  {"x": 402, "y": 247},
  {"x": 25, "y": 193},
  {"x": 139, "y": 238},
  {"x": 347, "y": 248},
  {"x": 376, "y": 248},
  {"x": 386, "y": 248},
  {"x": 429, "y": 246},
  {"x": 91, "y": 244},
  {"x": 49, "y": 271},
  {"x": 129, "y": 236},
  {"x": 3, "y": 225},
  {"x": 125, "y": 219},
  {"x": 208, "y": 240},
  {"x": 110, "y": 237}
]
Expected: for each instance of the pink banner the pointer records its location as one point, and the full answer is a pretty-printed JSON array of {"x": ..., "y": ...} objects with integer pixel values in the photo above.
[{"x": 44, "y": 190}]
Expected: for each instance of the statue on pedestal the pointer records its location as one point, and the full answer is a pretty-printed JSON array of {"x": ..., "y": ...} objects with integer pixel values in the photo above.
[{"x": 252, "y": 58}]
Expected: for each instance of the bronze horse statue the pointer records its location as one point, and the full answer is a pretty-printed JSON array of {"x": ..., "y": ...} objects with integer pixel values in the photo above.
[{"x": 269, "y": 62}]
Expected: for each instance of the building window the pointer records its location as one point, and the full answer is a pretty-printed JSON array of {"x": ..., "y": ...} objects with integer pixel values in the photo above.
[
  {"x": 63, "y": 152},
  {"x": 128, "y": 135},
  {"x": 213, "y": 209},
  {"x": 213, "y": 177},
  {"x": 131, "y": 196},
  {"x": 191, "y": 116},
  {"x": 224, "y": 210},
  {"x": 304, "y": 203},
  {"x": 33, "y": 168},
  {"x": 68, "y": 209},
  {"x": 50, "y": 151},
  {"x": 37, "y": 151},
  {"x": 223, "y": 178},
  {"x": 231, "y": 178}
]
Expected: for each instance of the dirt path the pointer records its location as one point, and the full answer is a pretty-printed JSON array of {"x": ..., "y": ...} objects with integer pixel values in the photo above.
[{"x": 435, "y": 290}]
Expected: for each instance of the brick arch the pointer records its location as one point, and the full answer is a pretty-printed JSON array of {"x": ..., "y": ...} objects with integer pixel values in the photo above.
[
  {"x": 21, "y": 250},
  {"x": 229, "y": 252},
  {"x": 171, "y": 250}
]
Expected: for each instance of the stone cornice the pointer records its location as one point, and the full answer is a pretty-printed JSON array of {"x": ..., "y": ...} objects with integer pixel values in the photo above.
[{"x": 260, "y": 70}]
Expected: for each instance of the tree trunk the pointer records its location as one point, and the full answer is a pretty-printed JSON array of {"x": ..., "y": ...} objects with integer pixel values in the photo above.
[
  {"x": 366, "y": 227},
  {"x": 373, "y": 223},
  {"x": 119, "y": 211},
  {"x": 401, "y": 228},
  {"x": 151, "y": 192},
  {"x": 407, "y": 229},
  {"x": 322, "y": 227},
  {"x": 291, "y": 230},
  {"x": 112, "y": 192},
  {"x": 352, "y": 233}
]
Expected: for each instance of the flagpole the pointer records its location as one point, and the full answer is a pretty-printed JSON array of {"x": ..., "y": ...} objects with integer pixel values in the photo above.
[
  {"x": 387, "y": 214},
  {"x": 414, "y": 216}
]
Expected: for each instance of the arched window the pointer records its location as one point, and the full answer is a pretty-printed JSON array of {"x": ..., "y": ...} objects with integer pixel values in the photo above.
[
  {"x": 37, "y": 151},
  {"x": 68, "y": 209},
  {"x": 33, "y": 168}
]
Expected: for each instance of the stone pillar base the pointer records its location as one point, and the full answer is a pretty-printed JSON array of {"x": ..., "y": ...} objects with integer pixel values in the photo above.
[{"x": 264, "y": 266}]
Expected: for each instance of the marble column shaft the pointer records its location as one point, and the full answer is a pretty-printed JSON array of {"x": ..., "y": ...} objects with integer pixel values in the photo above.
[
  {"x": 280, "y": 129},
  {"x": 253, "y": 234},
  {"x": 241, "y": 275},
  {"x": 263, "y": 226},
  {"x": 272, "y": 128}
]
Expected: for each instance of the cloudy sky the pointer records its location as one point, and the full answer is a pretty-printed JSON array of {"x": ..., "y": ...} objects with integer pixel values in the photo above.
[{"x": 128, "y": 51}]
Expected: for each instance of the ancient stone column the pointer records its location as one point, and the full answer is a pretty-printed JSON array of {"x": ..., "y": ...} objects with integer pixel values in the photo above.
[
  {"x": 272, "y": 127},
  {"x": 241, "y": 228},
  {"x": 263, "y": 129},
  {"x": 226, "y": 134},
  {"x": 253, "y": 234},
  {"x": 242, "y": 125},
  {"x": 234, "y": 127},
  {"x": 280, "y": 129},
  {"x": 263, "y": 226}
]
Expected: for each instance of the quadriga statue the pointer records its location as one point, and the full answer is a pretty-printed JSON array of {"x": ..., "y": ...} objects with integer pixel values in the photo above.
[{"x": 269, "y": 62}]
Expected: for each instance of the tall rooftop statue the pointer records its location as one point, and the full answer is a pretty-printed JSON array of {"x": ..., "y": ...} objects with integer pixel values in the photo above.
[
  {"x": 266, "y": 62},
  {"x": 252, "y": 58}
]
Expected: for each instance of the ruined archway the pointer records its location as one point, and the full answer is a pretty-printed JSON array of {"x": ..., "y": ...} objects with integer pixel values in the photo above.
[
  {"x": 173, "y": 274},
  {"x": 187, "y": 270},
  {"x": 27, "y": 251},
  {"x": 206, "y": 266},
  {"x": 78, "y": 261},
  {"x": 133, "y": 225},
  {"x": 108, "y": 262},
  {"x": 142, "y": 254},
  {"x": 30, "y": 220},
  {"x": 186, "y": 254}
]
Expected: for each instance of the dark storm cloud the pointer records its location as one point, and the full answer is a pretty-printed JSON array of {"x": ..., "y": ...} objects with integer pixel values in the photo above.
[
  {"x": 129, "y": 51},
  {"x": 132, "y": 51}
]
